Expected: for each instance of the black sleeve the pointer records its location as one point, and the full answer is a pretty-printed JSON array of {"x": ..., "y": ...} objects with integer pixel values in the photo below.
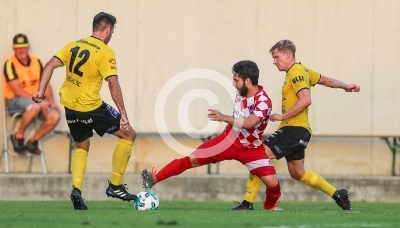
[{"x": 10, "y": 73}]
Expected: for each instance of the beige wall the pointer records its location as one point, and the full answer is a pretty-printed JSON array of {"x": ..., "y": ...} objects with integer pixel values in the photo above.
[{"x": 356, "y": 41}]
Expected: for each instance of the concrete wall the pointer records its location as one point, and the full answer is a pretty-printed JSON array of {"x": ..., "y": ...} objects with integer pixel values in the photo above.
[
  {"x": 324, "y": 155},
  {"x": 196, "y": 187},
  {"x": 354, "y": 41}
]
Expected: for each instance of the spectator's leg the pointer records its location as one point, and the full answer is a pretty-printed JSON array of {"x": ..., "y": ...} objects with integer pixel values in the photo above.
[
  {"x": 47, "y": 126},
  {"x": 27, "y": 118}
]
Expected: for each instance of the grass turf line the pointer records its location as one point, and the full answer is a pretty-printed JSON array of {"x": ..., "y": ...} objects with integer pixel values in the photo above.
[{"x": 113, "y": 213}]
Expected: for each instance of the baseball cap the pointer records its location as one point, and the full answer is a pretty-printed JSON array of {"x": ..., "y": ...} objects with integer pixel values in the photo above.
[{"x": 20, "y": 40}]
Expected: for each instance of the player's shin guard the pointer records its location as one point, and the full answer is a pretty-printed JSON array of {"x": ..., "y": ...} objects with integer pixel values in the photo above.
[
  {"x": 272, "y": 196},
  {"x": 315, "y": 181},
  {"x": 120, "y": 159},
  {"x": 79, "y": 161},
  {"x": 174, "y": 168},
  {"x": 253, "y": 185}
]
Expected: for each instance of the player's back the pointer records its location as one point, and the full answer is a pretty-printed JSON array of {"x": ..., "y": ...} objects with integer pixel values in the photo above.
[{"x": 88, "y": 61}]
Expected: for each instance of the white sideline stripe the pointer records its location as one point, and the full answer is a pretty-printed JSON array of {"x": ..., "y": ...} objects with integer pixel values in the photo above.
[{"x": 257, "y": 164}]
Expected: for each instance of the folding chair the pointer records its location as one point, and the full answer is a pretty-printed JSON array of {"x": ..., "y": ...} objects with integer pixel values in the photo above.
[{"x": 9, "y": 130}]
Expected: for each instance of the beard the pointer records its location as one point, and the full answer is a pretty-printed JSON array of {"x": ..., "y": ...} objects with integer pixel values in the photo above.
[
  {"x": 243, "y": 91},
  {"x": 108, "y": 38}
]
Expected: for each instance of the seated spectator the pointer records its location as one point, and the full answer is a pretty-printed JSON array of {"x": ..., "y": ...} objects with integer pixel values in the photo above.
[{"x": 22, "y": 74}]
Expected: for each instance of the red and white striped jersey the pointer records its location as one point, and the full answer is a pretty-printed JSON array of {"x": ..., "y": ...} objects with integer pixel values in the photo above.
[{"x": 259, "y": 105}]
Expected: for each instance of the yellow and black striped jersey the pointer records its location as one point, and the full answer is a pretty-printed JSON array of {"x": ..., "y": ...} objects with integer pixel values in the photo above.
[
  {"x": 88, "y": 61},
  {"x": 298, "y": 77}
]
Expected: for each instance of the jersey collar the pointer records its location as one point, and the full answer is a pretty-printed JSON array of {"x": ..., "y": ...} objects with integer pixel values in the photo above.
[
  {"x": 27, "y": 64},
  {"x": 292, "y": 66}
]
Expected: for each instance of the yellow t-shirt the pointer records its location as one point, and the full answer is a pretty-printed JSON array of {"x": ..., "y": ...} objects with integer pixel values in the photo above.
[
  {"x": 88, "y": 61},
  {"x": 298, "y": 77}
]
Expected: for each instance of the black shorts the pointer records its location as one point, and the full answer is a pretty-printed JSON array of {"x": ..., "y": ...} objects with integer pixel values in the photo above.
[
  {"x": 104, "y": 119},
  {"x": 289, "y": 142}
]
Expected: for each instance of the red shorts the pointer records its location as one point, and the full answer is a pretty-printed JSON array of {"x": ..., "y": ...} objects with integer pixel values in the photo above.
[{"x": 221, "y": 148}]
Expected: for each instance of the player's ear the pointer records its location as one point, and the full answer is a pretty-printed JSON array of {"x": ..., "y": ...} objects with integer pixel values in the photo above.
[{"x": 288, "y": 54}]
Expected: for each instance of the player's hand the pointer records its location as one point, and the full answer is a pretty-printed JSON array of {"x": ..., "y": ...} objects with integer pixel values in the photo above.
[
  {"x": 276, "y": 117},
  {"x": 352, "y": 88},
  {"x": 124, "y": 123},
  {"x": 215, "y": 115},
  {"x": 38, "y": 97}
]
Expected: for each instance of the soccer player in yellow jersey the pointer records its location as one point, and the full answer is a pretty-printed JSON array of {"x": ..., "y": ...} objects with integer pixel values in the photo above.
[
  {"x": 88, "y": 62},
  {"x": 294, "y": 131}
]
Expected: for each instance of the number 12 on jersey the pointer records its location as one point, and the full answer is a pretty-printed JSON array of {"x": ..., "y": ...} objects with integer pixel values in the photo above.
[{"x": 84, "y": 55}]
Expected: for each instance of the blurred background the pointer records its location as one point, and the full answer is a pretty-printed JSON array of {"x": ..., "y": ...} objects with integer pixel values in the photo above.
[{"x": 355, "y": 41}]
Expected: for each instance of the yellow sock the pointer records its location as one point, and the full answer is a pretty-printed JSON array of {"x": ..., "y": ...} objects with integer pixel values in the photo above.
[
  {"x": 79, "y": 161},
  {"x": 253, "y": 185},
  {"x": 120, "y": 159},
  {"x": 315, "y": 181}
]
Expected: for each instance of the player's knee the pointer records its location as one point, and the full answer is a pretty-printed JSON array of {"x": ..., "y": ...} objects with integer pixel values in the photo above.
[
  {"x": 131, "y": 134},
  {"x": 296, "y": 176},
  {"x": 85, "y": 145},
  {"x": 269, "y": 179},
  {"x": 194, "y": 162}
]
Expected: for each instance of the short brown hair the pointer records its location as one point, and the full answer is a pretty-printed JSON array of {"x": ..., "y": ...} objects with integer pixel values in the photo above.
[
  {"x": 102, "y": 20},
  {"x": 284, "y": 45}
]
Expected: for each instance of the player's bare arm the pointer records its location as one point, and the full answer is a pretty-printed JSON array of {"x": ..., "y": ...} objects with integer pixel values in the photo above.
[
  {"x": 52, "y": 64},
  {"x": 116, "y": 94},
  {"x": 334, "y": 83},
  {"x": 304, "y": 100},
  {"x": 246, "y": 123}
]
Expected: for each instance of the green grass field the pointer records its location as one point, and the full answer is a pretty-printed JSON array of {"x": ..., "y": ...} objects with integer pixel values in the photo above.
[{"x": 195, "y": 214}]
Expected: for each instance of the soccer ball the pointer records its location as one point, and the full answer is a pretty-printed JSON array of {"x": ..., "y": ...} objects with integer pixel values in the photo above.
[{"x": 146, "y": 200}]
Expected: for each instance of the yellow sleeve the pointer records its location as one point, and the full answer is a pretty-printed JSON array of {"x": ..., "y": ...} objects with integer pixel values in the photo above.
[
  {"x": 63, "y": 55},
  {"x": 108, "y": 65},
  {"x": 314, "y": 77},
  {"x": 299, "y": 79}
]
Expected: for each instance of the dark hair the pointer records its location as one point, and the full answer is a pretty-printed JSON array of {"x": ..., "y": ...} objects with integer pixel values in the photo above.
[
  {"x": 247, "y": 69},
  {"x": 102, "y": 20}
]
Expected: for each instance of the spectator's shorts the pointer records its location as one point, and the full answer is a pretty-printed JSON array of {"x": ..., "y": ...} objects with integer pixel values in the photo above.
[{"x": 20, "y": 104}]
